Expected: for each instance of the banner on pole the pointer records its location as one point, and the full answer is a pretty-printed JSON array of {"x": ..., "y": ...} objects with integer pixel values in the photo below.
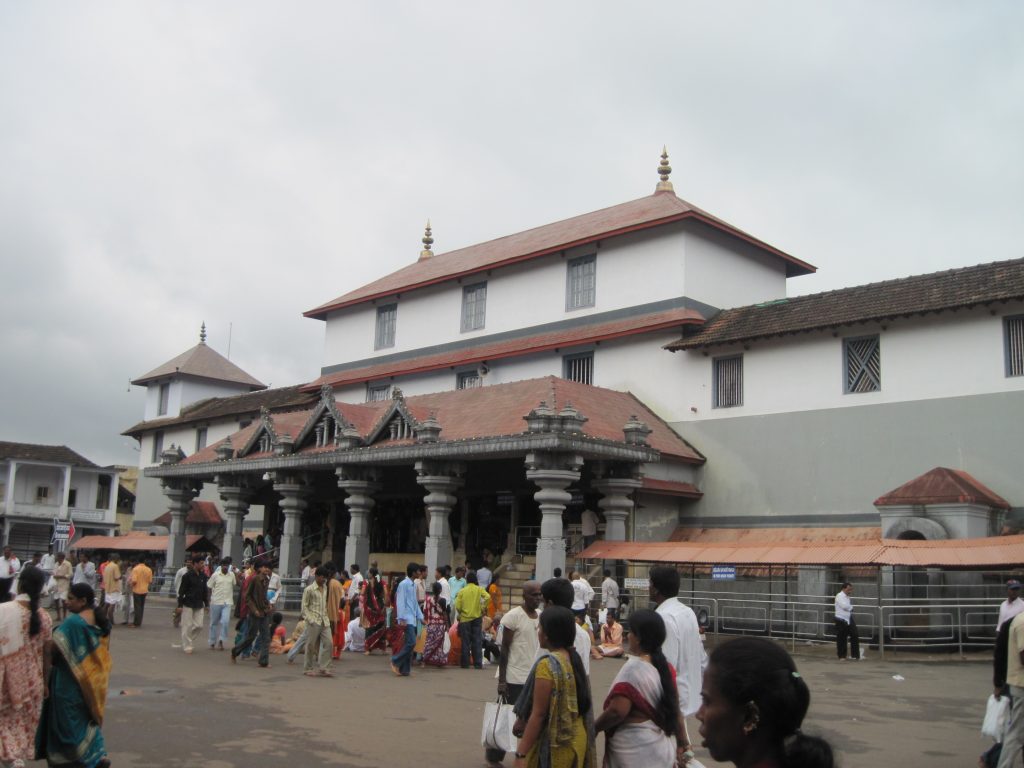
[{"x": 63, "y": 532}]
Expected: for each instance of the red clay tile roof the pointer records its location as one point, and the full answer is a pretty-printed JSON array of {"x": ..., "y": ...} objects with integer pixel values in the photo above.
[
  {"x": 199, "y": 513},
  {"x": 828, "y": 535},
  {"x": 586, "y": 334},
  {"x": 57, "y": 454},
  {"x": 215, "y": 408},
  {"x": 203, "y": 362},
  {"x": 942, "y": 486},
  {"x": 951, "y": 289},
  {"x": 671, "y": 488},
  {"x": 140, "y": 542},
  {"x": 647, "y": 212},
  {"x": 491, "y": 411}
]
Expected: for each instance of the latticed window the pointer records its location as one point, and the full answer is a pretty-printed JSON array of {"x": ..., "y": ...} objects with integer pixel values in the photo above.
[
  {"x": 728, "y": 381},
  {"x": 1014, "y": 331},
  {"x": 579, "y": 368},
  {"x": 862, "y": 360},
  {"x": 581, "y": 283},
  {"x": 468, "y": 380},
  {"x": 474, "y": 306},
  {"x": 375, "y": 392},
  {"x": 386, "y": 318}
]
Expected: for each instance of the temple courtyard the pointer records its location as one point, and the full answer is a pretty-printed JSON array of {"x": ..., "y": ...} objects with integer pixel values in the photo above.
[{"x": 169, "y": 709}]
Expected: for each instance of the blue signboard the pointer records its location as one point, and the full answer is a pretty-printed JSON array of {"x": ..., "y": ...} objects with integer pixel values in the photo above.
[{"x": 723, "y": 572}]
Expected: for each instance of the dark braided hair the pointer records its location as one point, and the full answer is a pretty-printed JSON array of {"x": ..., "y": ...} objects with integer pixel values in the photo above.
[
  {"x": 83, "y": 591},
  {"x": 649, "y": 629},
  {"x": 753, "y": 669},
  {"x": 31, "y": 582}
]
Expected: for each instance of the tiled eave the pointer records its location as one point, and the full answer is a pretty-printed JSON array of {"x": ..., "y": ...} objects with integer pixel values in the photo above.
[{"x": 508, "y": 446}]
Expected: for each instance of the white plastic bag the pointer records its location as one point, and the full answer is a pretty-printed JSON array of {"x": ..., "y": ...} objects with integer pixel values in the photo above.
[
  {"x": 996, "y": 714},
  {"x": 497, "y": 728},
  {"x": 446, "y": 644}
]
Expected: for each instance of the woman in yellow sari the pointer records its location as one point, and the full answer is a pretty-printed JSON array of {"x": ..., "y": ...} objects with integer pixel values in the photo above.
[{"x": 69, "y": 729}]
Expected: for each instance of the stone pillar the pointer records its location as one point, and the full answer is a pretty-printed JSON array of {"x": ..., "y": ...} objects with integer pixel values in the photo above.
[
  {"x": 179, "y": 495},
  {"x": 293, "y": 492},
  {"x": 441, "y": 480},
  {"x": 360, "y": 483},
  {"x": 615, "y": 483},
  {"x": 553, "y": 473},
  {"x": 236, "y": 500}
]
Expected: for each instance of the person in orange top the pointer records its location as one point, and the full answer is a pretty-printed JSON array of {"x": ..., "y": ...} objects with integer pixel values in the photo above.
[
  {"x": 142, "y": 577},
  {"x": 335, "y": 595},
  {"x": 495, "y": 592}
]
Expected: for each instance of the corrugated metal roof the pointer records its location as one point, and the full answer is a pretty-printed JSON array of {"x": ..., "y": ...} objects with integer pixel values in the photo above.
[
  {"x": 991, "y": 552},
  {"x": 135, "y": 543}
]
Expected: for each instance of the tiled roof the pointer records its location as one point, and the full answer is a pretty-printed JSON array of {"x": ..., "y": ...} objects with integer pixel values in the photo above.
[
  {"x": 199, "y": 513},
  {"x": 215, "y": 408},
  {"x": 541, "y": 342},
  {"x": 654, "y": 210},
  {"x": 57, "y": 454},
  {"x": 671, "y": 488},
  {"x": 140, "y": 542},
  {"x": 951, "y": 289},
  {"x": 203, "y": 362},
  {"x": 492, "y": 411},
  {"x": 942, "y": 486}
]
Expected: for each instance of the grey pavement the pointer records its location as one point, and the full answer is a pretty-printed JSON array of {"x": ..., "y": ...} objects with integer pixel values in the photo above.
[{"x": 166, "y": 708}]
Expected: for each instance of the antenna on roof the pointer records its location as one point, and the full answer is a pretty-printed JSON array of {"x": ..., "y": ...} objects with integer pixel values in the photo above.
[
  {"x": 202, "y": 333},
  {"x": 230, "y": 328},
  {"x": 428, "y": 241},
  {"x": 664, "y": 170}
]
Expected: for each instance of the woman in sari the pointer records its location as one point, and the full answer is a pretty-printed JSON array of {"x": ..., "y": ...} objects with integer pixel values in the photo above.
[
  {"x": 69, "y": 729},
  {"x": 373, "y": 613},
  {"x": 395, "y": 632},
  {"x": 495, "y": 592},
  {"x": 553, "y": 734},
  {"x": 435, "y": 615},
  {"x": 641, "y": 717},
  {"x": 24, "y": 666}
]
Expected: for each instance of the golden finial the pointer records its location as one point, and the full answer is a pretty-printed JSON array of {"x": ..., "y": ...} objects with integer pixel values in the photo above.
[
  {"x": 664, "y": 169},
  {"x": 428, "y": 241}
]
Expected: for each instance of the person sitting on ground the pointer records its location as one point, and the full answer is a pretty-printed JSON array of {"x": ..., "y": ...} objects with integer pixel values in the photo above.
[
  {"x": 278, "y": 633},
  {"x": 611, "y": 637}
]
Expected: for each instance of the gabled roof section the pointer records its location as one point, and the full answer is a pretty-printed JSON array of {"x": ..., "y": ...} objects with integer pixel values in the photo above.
[
  {"x": 397, "y": 423},
  {"x": 942, "y": 486},
  {"x": 935, "y": 292},
  {"x": 326, "y": 422},
  {"x": 202, "y": 362},
  {"x": 647, "y": 212},
  {"x": 199, "y": 513},
  {"x": 264, "y": 437},
  {"x": 516, "y": 347},
  {"x": 53, "y": 454}
]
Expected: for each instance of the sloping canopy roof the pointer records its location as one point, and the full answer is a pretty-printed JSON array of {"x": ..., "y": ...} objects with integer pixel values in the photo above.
[
  {"x": 942, "y": 486},
  {"x": 652, "y": 211},
  {"x": 993, "y": 552},
  {"x": 935, "y": 292},
  {"x": 141, "y": 542},
  {"x": 526, "y": 345},
  {"x": 55, "y": 454},
  {"x": 199, "y": 513},
  {"x": 205, "y": 363}
]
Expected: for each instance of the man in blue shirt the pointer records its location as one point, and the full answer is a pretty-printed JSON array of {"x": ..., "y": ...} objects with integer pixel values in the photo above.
[
  {"x": 455, "y": 584},
  {"x": 409, "y": 615}
]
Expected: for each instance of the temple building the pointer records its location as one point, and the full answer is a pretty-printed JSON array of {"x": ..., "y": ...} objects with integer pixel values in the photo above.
[{"x": 643, "y": 360}]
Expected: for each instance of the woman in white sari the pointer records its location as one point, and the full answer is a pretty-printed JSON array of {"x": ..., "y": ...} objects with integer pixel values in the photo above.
[{"x": 641, "y": 717}]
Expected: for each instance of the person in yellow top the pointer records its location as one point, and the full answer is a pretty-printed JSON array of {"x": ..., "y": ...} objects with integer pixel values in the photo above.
[
  {"x": 142, "y": 577},
  {"x": 469, "y": 607},
  {"x": 112, "y": 586}
]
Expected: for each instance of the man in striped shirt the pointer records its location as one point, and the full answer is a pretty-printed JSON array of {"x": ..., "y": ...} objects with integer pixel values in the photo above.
[{"x": 318, "y": 626}]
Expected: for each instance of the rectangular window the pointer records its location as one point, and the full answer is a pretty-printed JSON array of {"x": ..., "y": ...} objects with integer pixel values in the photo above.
[
  {"x": 579, "y": 368},
  {"x": 377, "y": 392},
  {"x": 42, "y": 494},
  {"x": 862, "y": 365},
  {"x": 386, "y": 317},
  {"x": 468, "y": 380},
  {"x": 474, "y": 306},
  {"x": 581, "y": 283},
  {"x": 103, "y": 492},
  {"x": 1013, "y": 330},
  {"x": 727, "y": 381},
  {"x": 165, "y": 396},
  {"x": 200, "y": 438},
  {"x": 158, "y": 446},
  {"x": 73, "y": 497}
]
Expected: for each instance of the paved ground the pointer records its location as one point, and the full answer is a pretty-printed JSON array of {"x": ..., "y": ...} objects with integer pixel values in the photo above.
[{"x": 169, "y": 709}]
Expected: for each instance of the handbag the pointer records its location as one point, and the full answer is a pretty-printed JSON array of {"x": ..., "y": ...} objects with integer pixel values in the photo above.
[
  {"x": 497, "y": 728},
  {"x": 996, "y": 714}
]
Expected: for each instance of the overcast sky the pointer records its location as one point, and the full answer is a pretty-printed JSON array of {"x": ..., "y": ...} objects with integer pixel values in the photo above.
[{"x": 162, "y": 164}]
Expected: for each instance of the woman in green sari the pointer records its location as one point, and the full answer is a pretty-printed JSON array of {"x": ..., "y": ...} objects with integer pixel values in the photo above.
[{"x": 69, "y": 729}]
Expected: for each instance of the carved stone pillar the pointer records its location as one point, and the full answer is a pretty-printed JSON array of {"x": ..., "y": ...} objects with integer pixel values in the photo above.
[
  {"x": 441, "y": 480},
  {"x": 615, "y": 482},
  {"x": 180, "y": 494},
  {"x": 553, "y": 473},
  {"x": 360, "y": 483},
  {"x": 293, "y": 492},
  {"x": 236, "y": 495}
]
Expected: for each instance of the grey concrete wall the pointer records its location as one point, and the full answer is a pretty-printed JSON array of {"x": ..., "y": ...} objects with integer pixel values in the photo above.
[{"x": 828, "y": 466}]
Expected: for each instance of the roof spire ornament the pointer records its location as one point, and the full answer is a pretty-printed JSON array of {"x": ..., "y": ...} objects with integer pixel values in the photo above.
[
  {"x": 428, "y": 241},
  {"x": 664, "y": 169},
  {"x": 202, "y": 333}
]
